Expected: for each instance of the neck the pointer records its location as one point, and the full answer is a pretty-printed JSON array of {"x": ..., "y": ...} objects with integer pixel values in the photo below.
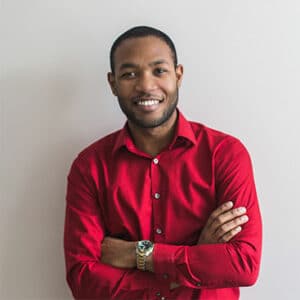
[{"x": 154, "y": 140}]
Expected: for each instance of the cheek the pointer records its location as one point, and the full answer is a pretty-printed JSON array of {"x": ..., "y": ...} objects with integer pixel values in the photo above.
[
  {"x": 124, "y": 90},
  {"x": 170, "y": 88}
]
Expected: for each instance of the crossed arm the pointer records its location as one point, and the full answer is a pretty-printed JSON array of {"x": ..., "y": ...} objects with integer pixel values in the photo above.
[
  {"x": 223, "y": 224},
  {"x": 227, "y": 254}
]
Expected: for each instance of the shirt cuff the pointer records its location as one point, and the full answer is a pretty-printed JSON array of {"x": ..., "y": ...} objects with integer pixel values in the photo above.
[
  {"x": 171, "y": 262},
  {"x": 164, "y": 261}
]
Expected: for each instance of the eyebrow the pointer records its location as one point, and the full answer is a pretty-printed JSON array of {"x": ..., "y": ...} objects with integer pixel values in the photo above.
[
  {"x": 159, "y": 62},
  {"x": 128, "y": 65},
  {"x": 132, "y": 65}
]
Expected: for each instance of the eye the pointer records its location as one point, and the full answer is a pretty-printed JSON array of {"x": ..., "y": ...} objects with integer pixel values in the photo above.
[
  {"x": 128, "y": 75},
  {"x": 160, "y": 71}
]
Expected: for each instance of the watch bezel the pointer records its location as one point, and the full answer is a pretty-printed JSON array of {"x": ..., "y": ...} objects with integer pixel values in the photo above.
[{"x": 144, "y": 247}]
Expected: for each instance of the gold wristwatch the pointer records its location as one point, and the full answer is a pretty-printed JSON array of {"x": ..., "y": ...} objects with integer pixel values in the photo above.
[{"x": 143, "y": 249}]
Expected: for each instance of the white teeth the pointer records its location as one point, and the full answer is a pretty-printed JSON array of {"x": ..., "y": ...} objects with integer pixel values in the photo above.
[{"x": 147, "y": 102}]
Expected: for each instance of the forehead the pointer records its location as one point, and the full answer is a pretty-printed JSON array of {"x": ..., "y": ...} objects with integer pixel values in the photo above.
[{"x": 142, "y": 50}]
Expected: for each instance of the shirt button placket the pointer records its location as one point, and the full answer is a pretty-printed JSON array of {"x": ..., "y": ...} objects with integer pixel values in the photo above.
[
  {"x": 158, "y": 231},
  {"x": 155, "y": 188},
  {"x": 155, "y": 161}
]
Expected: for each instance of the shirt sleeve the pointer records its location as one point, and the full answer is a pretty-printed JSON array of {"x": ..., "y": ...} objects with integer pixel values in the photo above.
[
  {"x": 87, "y": 277},
  {"x": 231, "y": 264}
]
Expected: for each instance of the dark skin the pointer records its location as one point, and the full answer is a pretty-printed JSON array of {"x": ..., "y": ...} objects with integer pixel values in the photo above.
[
  {"x": 146, "y": 83},
  {"x": 144, "y": 70},
  {"x": 223, "y": 224}
]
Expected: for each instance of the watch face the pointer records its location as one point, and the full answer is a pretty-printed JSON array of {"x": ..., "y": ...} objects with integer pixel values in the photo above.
[{"x": 144, "y": 245}]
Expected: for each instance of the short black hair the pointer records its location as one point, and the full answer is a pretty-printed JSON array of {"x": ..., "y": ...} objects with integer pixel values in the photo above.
[{"x": 138, "y": 32}]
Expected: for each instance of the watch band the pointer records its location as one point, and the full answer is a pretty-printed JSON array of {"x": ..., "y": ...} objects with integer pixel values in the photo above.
[
  {"x": 141, "y": 262},
  {"x": 143, "y": 249}
]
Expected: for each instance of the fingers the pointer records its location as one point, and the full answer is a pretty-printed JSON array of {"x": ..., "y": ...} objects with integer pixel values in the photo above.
[
  {"x": 219, "y": 211},
  {"x": 227, "y": 216},
  {"x": 228, "y": 230},
  {"x": 229, "y": 235},
  {"x": 223, "y": 224}
]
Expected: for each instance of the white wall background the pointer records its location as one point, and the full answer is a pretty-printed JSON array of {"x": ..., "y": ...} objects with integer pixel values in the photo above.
[{"x": 242, "y": 70}]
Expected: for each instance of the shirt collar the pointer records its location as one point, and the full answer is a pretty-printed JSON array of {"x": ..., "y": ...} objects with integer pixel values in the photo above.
[{"x": 184, "y": 131}]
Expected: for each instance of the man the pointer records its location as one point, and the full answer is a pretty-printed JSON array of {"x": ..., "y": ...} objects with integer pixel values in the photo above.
[{"x": 163, "y": 208}]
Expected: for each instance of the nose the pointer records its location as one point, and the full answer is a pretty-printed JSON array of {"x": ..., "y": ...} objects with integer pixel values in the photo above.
[{"x": 146, "y": 83}]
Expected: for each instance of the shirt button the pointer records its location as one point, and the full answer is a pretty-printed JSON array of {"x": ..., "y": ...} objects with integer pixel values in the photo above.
[
  {"x": 198, "y": 284},
  {"x": 156, "y": 195},
  {"x": 163, "y": 298},
  {"x": 165, "y": 276},
  {"x": 158, "y": 231},
  {"x": 155, "y": 161},
  {"x": 158, "y": 294}
]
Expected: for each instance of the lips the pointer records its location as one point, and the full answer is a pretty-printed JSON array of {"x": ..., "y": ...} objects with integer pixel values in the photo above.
[
  {"x": 146, "y": 101},
  {"x": 147, "y": 104}
]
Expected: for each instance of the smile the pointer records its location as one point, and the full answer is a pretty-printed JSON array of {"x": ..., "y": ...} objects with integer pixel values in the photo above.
[{"x": 148, "y": 102}]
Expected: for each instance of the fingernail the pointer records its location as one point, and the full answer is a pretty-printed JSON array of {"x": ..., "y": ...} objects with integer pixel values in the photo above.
[
  {"x": 229, "y": 204},
  {"x": 244, "y": 218},
  {"x": 241, "y": 209},
  {"x": 238, "y": 229}
]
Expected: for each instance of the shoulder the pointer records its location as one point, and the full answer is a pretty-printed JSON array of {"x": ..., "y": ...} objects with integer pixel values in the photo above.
[
  {"x": 216, "y": 139},
  {"x": 222, "y": 146},
  {"x": 98, "y": 150}
]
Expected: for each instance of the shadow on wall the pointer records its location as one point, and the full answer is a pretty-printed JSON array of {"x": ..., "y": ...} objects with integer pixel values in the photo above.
[{"x": 44, "y": 128}]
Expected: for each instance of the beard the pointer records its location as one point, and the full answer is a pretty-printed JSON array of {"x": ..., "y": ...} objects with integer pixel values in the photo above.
[{"x": 140, "y": 122}]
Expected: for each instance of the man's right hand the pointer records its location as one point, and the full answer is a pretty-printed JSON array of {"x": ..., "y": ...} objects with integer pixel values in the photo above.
[{"x": 223, "y": 224}]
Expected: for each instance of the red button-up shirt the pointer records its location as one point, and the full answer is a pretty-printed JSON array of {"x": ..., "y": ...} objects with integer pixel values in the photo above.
[{"x": 116, "y": 190}]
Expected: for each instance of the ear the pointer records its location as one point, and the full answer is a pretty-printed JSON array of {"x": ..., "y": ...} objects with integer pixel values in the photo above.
[
  {"x": 112, "y": 82},
  {"x": 179, "y": 74}
]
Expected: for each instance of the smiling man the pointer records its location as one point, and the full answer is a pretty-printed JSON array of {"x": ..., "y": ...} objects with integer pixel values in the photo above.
[{"x": 164, "y": 208}]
